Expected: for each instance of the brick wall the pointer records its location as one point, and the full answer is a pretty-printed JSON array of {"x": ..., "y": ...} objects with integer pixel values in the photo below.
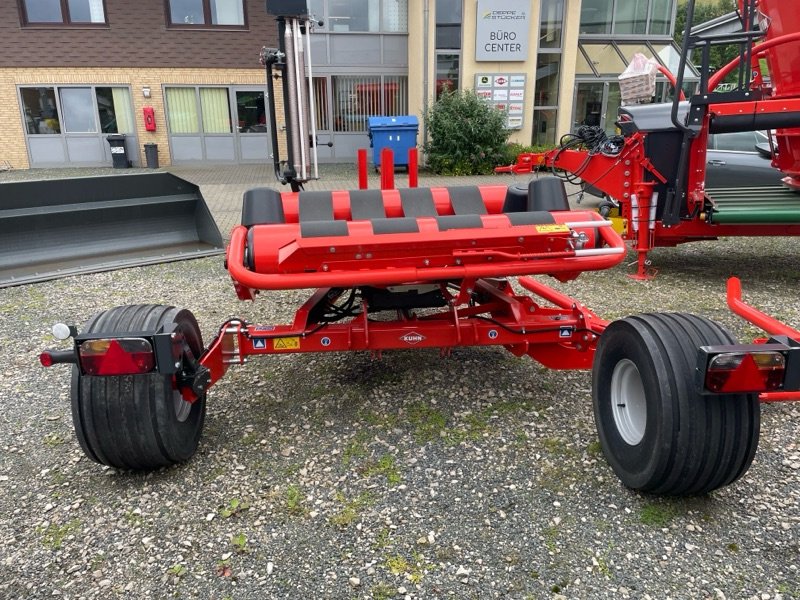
[{"x": 12, "y": 142}]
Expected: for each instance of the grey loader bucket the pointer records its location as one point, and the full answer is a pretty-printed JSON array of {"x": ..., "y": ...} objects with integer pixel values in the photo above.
[{"x": 59, "y": 227}]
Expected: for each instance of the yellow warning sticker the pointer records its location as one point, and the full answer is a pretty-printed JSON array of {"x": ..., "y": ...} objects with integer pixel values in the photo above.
[
  {"x": 557, "y": 228},
  {"x": 287, "y": 343}
]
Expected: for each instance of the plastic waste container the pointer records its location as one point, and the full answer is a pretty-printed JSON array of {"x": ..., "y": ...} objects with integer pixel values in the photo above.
[
  {"x": 397, "y": 133},
  {"x": 151, "y": 155},
  {"x": 119, "y": 153}
]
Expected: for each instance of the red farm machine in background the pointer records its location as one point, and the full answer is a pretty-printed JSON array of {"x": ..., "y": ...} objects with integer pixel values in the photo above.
[
  {"x": 676, "y": 400},
  {"x": 654, "y": 173}
]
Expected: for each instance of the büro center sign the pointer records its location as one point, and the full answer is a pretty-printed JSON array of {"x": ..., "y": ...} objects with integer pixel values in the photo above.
[{"x": 502, "y": 30}]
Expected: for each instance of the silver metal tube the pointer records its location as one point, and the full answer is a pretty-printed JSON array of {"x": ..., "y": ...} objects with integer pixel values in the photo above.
[
  {"x": 312, "y": 102},
  {"x": 292, "y": 101},
  {"x": 299, "y": 68},
  {"x": 599, "y": 251}
]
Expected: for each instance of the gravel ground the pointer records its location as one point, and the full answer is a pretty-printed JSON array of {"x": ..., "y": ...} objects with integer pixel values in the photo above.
[{"x": 338, "y": 476}]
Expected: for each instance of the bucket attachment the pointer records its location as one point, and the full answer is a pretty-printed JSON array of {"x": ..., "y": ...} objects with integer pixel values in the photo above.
[{"x": 60, "y": 227}]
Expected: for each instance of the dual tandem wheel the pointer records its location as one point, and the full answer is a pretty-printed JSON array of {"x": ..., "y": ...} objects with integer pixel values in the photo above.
[{"x": 659, "y": 434}]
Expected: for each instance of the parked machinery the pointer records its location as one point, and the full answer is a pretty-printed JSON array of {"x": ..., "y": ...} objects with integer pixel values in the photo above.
[
  {"x": 676, "y": 401},
  {"x": 655, "y": 172}
]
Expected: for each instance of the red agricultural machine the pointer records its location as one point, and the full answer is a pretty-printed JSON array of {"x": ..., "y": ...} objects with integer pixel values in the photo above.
[
  {"x": 676, "y": 400},
  {"x": 654, "y": 173}
]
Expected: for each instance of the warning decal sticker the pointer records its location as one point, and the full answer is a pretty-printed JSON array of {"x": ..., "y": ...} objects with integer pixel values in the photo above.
[
  {"x": 552, "y": 228},
  {"x": 287, "y": 343}
]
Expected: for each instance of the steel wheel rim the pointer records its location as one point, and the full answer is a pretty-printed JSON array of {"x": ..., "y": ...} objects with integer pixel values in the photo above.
[
  {"x": 628, "y": 404},
  {"x": 182, "y": 407}
]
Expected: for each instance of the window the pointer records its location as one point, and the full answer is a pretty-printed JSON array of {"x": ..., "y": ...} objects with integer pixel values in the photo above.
[
  {"x": 204, "y": 13},
  {"x": 251, "y": 113},
  {"x": 78, "y": 110},
  {"x": 373, "y": 16},
  {"x": 186, "y": 106},
  {"x": 548, "y": 73},
  {"x": 448, "y": 24},
  {"x": 360, "y": 97},
  {"x": 114, "y": 106},
  {"x": 551, "y": 23},
  {"x": 447, "y": 67},
  {"x": 41, "y": 114},
  {"x": 64, "y": 12},
  {"x": 627, "y": 17}
]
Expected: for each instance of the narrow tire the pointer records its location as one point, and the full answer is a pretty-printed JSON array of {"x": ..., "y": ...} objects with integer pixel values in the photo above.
[
  {"x": 659, "y": 434},
  {"x": 137, "y": 422}
]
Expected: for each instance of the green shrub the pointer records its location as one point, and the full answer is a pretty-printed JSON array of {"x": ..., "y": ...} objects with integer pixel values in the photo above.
[{"x": 467, "y": 135}]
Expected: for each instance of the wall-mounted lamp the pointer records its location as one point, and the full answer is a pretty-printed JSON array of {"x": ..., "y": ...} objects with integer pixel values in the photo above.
[{"x": 146, "y": 92}]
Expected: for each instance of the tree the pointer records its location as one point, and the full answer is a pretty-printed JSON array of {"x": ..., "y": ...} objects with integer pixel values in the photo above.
[{"x": 703, "y": 12}]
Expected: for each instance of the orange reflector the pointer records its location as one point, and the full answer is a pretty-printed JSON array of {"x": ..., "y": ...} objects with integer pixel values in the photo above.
[
  {"x": 735, "y": 372},
  {"x": 123, "y": 356}
]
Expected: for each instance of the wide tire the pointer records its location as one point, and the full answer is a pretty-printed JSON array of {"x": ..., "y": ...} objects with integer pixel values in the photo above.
[
  {"x": 137, "y": 422},
  {"x": 658, "y": 433}
]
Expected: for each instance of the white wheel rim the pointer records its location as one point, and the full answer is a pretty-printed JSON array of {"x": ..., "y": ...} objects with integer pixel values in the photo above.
[
  {"x": 181, "y": 406},
  {"x": 628, "y": 404}
]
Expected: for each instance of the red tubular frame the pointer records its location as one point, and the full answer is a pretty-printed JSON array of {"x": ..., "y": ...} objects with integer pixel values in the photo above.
[{"x": 765, "y": 322}]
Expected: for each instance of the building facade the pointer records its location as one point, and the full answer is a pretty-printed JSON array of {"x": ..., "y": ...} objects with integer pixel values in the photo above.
[{"x": 184, "y": 74}]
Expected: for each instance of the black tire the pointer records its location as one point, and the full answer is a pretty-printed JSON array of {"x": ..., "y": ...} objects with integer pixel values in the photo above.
[
  {"x": 666, "y": 438},
  {"x": 137, "y": 422}
]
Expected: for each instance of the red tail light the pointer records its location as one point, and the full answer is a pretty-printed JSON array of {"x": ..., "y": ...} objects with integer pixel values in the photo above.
[
  {"x": 123, "y": 356},
  {"x": 736, "y": 372}
]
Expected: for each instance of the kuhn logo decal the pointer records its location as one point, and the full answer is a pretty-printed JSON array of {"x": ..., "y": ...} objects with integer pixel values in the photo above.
[{"x": 413, "y": 338}]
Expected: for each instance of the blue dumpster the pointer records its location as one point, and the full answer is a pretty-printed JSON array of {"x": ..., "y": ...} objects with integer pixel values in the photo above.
[{"x": 397, "y": 133}]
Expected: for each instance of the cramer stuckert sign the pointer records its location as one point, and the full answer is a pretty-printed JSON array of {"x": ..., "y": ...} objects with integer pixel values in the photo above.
[{"x": 502, "y": 30}]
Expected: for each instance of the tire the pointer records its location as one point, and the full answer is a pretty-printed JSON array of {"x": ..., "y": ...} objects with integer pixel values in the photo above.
[
  {"x": 658, "y": 433},
  {"x": 137, "y": 422}
]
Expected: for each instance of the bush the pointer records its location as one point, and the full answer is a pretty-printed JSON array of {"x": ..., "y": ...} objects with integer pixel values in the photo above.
[{"x": 467, "y": 135}]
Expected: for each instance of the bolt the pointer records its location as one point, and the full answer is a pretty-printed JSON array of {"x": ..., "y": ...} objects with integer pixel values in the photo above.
[
  {"x": 324, "y": 267},
  {"x": 332, "y": 249},
  {"x": 178, "y": 365},
  {"x": 358, "y": 256},
  {"x": 520, "y": 239},
  {"x": 426, "y": 262}
]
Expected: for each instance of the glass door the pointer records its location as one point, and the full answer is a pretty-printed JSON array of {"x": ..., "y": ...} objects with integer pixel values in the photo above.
[{"x": 252, "y": 129}]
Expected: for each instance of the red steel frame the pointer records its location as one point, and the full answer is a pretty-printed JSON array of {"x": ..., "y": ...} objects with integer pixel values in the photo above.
[{"x": 560, "y": 337}]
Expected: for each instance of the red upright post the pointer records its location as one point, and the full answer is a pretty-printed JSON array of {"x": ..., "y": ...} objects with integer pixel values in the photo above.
[
  {"x": 362, "y": 169},
  {"x": 413, "y": 165},
  {"x": 387, "y": 169}
]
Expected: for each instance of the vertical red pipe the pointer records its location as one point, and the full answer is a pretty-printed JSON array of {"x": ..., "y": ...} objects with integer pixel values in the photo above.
[
  {"x": 413, "y": 165},
  {"x": 387, "y": 169},
  {"x": 362, "y": 169}
]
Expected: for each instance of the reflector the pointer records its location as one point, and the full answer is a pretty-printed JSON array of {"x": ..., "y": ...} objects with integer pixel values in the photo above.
[
  {"x": 735, "y": 372},
  {"x": 123, "y": 356}
]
